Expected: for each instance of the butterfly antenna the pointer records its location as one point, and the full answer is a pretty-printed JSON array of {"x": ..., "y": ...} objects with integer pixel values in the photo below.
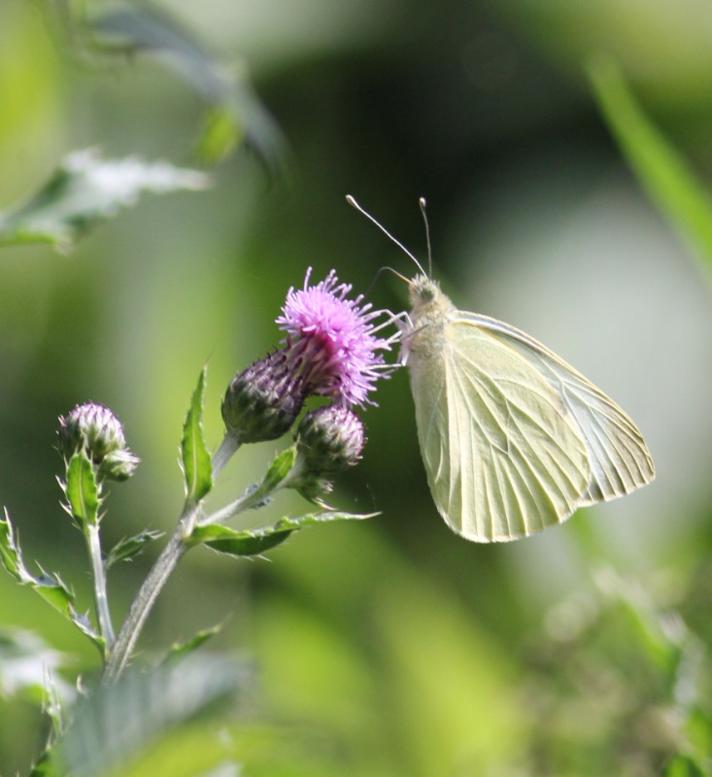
[
  {"x": 352, "y": 202},
  {"x": 378, "y": 274},
  {"x": 423, "y": 205}
]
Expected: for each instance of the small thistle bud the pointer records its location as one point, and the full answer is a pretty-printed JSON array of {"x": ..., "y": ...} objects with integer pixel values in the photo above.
[
  {"x": 262, "y": 402},
  {"x": 98, "y": 431},
  {"x": 330, "y": 439},
  {"x": 119, "y": 465}
]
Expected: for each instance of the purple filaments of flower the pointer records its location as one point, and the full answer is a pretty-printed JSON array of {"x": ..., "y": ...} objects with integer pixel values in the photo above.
[{"x": 332, "y": 341}]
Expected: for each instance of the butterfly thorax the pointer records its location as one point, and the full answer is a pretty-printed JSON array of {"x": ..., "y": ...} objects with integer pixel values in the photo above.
[{"x": 429, "y": 313}]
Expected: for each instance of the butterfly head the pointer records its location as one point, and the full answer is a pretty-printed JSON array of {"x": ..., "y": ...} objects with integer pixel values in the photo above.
[{"x": 426, "y": 297}]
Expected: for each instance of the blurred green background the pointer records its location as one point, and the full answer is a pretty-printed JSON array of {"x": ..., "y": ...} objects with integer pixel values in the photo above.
[{"x": 390, "y": 647}]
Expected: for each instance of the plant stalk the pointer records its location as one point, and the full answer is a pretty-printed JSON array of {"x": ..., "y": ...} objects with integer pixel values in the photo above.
[
  {"x": 100, "y": 598},
  {"x": 159, "y": 574}
]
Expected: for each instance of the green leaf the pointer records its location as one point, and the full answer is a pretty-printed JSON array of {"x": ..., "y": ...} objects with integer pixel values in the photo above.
[
  {"x": 682, "y": 766},
  {"x": 180, "y": 649},
  {"x": 116, "y": 722},
  {"x": 661, "y": 169},
  {"x": 280, "y": 467},
  {"x": 128, "y": 548},
  {"x": 236, "y": 113},
  {"x": 45, "y": 766},
  {"x": 50, "y": 587},
  {"x": 29, "y": 668},
  {"x": 197, "y": 468},
  {"x": 81, "y": 490},
  {"x": 86, "y": 190},
  {"x": 251, "y": 542}
]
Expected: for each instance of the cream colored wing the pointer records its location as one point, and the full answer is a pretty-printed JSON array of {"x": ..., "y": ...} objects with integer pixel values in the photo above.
[
  {"x": 620, "y": 460},
  {"x": 503, "y": 455}
]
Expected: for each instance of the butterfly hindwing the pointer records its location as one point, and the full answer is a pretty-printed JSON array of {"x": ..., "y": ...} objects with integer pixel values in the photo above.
[
  {"x": 620, "y": 460},
  {"x": 503, "y": 456}
]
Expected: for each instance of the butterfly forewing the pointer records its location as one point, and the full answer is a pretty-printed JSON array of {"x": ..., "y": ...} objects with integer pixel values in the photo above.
[
  {"x": 502, "y": 453},
  {"x": 620, "y": 460}
]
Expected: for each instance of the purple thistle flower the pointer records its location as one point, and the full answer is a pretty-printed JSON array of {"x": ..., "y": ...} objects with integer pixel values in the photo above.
[{"x": 332, "y": 341}]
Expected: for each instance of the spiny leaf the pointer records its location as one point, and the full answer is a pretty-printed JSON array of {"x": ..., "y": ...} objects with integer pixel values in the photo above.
[
  {"x": 128, "y": 548},
  {"x": 49, "y": 586},
  {"x": 278, "y": 470},
  {"x": 85, "y": 190},
  {"x": 661, "y": 169},
  {"x": 251, "y": 542},
  {"x": 197, "y": 468},
  {"x": 81, "y": 490},
  {"x": 180, "y": 649}
]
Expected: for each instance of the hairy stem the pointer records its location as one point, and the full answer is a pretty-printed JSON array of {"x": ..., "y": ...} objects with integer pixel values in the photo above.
[
  {"x": 100, "y": 598},
  {"x": 144, "y": 601}
]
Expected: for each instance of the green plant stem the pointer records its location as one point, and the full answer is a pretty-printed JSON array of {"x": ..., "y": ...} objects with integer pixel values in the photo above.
[
  {"x": 159, "y": 574},
  {"x": 100, "y": 598},
  {"x": 222, "y": 455},
  {"x": 146, "y": 598},
  {"x": 243, "y": 503}
]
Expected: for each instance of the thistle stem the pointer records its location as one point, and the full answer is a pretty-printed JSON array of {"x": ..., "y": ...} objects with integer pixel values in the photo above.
[
  {"x": 100, "y": 598},
  {"x": 228, "y": 447},
  {"x": 247, "y": 501},
  {"x": 159, "y": 574}
]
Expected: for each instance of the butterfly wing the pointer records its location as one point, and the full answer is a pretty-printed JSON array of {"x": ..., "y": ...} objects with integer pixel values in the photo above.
[
  {"x": 620, "y": 459},
  {"x": 503, "y": 455}
]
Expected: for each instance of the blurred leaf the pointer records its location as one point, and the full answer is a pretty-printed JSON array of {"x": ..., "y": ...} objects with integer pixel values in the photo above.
[
  {"x": 49, "y": 586},
  {"x": 180, "y": 649},
  {"x": 44, "y": 766},
  {"x": 682, "y": 766},
  {"x": 81, "y": 490},
  {"x": 128, "y": 548},
  {"x": 237, "y": 112},
  {"x": 219, "y": 136},
  {"x": 28, "y": 665},
  {"x": 112, "y": 727},
  {"x": 197, "y": 468},
  {"x": 251, "y": 542},
  {"x": 661, "y": 169},
  {"x": 85, "y": 190}
]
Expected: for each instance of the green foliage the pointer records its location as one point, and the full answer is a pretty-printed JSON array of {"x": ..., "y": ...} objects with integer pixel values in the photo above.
[
  {"x": 180, "y": 649},
  {"x": 28, "y": 666},
  {"x": 235, "y": 112},
  {"x": 82, "y": 491},
  {"x": 127, "y": 548},
  {"x": 195, "y": 457},
  {"x": 280, "y": 467},
  {"x": 252, "y": 542},
  {"x": 112, "y": 727},
  {"x": 86, "y": 190},
  {"x": 682, "y": 766},
  {"x": 50, "y": 587},
  {"x": 661, "y": 169}
]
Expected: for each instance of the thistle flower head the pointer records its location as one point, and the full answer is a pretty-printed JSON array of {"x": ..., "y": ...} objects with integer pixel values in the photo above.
[
  {"x": 330, "y": 438},
  {"x": 262, "y": 402},
  {"x": 95, "y": 429},
  {"x": 332, "y": 341}
]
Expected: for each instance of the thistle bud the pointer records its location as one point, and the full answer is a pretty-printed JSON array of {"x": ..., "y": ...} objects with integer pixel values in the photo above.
[
  {"x": 119, "y": 465},
  {"x": 96, "y": 430},
  {"x": 330, "y": 439},
  {"x": 262, "y": 402}
]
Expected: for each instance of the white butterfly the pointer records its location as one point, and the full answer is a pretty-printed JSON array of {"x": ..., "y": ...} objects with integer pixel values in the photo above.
[{"x": 513, "y": 439}]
